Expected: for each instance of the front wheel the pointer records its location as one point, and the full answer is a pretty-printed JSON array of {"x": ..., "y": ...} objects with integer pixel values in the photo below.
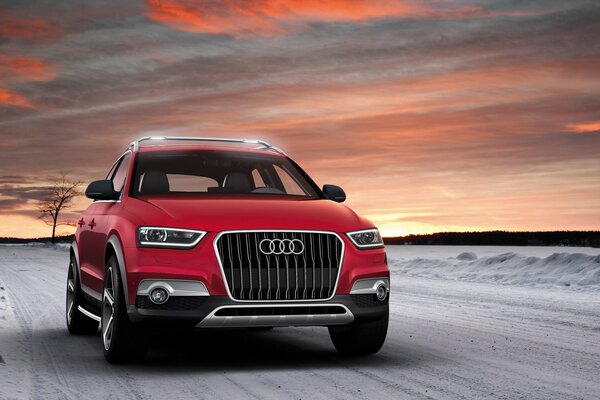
[
  {"x": 122, "y": 341},
  {"x": 360, "y": 340},
  {"x": 77, "y": 322}
]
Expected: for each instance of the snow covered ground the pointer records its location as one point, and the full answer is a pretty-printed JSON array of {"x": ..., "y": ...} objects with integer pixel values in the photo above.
[
  {"x": 500, "y": 323},
  {"x": 577, "y": 267}
]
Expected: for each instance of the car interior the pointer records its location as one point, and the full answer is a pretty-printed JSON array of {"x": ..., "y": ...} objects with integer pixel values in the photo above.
[{"x": 160, "y": 174}]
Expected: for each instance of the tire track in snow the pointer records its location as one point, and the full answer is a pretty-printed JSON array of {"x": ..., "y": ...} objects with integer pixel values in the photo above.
[{"x": 40, "y": 315}]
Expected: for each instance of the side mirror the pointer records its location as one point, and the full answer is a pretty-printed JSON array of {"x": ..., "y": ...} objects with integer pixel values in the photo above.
[
  {"x": 101, "y": 190},
  {"x": 334, "y": 193}
]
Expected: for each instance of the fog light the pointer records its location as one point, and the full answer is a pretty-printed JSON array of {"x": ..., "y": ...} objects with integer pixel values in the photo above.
[
  {"x": 159, "y": 296},
  {"x": 381, "y": 292}
]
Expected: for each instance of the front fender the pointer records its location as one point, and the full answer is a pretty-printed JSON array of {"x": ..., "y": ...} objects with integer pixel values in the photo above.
[{"x": 115, "y": 243}]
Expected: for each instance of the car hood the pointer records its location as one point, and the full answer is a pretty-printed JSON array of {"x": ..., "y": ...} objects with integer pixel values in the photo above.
[{"x": 232, "y": 213}]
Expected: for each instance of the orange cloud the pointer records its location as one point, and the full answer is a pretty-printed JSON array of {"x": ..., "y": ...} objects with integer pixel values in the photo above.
[
  {"x": 31, "y": 29},
  {"x": 585, "y": 127},
  {"x": 9, "y": 98},
  {"x": 20, "y": 69},
  {"x": 459, "y": 102},
  {"x": 268, "y": 17}
]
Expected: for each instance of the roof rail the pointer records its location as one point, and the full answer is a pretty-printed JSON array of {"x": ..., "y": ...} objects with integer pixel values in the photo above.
[{"x": 264, "y": 145}]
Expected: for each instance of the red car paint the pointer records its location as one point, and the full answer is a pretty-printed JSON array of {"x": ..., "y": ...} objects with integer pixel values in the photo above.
[{"x": 213, "y": 214}]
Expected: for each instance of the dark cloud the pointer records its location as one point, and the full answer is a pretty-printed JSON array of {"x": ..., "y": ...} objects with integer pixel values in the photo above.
[
  {"x": 19, "y": 26},
  {"x": 20, "y": 199},
  {"x": 15, "y": 179},
  {"x": 24, "y": 192}
]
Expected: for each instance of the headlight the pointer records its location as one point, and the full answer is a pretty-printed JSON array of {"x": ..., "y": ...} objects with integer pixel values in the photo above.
[
  {"x": 366, "y": 238},
  {"x": 168, "y": 237}
]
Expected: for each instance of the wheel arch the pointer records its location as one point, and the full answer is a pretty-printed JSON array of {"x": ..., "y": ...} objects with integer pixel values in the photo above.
[
  {"x": 114, "y": 247},
  {"x": 74, "y": 251}
]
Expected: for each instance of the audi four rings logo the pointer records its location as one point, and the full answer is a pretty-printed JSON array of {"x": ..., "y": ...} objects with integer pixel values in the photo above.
[{"x": 281, "y": 246}]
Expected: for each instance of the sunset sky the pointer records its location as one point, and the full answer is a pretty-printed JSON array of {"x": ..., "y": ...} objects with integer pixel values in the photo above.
[{"x": 432, "y": 115}]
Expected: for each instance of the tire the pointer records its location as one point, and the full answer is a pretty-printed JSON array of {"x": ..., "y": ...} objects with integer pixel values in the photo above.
[
  {"x": 77, "y": 322},
  {"x": 122, "y": 341},
  {"x": 360, "y": 340}
]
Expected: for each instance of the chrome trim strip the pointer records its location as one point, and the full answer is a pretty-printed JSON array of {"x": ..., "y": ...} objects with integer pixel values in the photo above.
[
  {"x": 175, "y": 287},
  {"x": 88, "y": 314},
  {"x": 369, "y": 286},
  {"x": 213, "y": 321},
  {"x": 215, "y": 240}
]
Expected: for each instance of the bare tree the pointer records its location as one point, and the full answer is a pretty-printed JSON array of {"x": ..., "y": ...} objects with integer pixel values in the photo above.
[{"x": 60, "y": 197}]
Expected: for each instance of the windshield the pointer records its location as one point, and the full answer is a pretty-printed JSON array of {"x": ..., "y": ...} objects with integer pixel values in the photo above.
[{"x": 210, "y": 171}]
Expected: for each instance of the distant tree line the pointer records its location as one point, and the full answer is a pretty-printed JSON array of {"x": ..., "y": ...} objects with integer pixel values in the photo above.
[
  {"x": 503, "y": 238},
  {"x": 57, "y": 239}
]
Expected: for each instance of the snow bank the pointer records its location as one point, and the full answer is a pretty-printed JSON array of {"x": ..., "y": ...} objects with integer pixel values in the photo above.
[
  {"x": 559, "y": 269},
  {"x": 467, "y": 256}
]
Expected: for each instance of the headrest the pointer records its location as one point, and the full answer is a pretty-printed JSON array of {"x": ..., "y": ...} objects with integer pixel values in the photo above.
[
  {"x": 154, "y": 182},
  {"x": 237, "y": 182}
]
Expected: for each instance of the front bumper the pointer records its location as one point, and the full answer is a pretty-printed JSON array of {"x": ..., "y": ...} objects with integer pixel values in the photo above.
[{"x": 223, "y": 312}]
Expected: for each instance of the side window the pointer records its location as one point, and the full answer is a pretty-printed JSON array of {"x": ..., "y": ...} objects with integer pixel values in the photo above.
[
  {"x": 120, "y": 173},
  {"x": 112, "y": 169},
  {"x": 258, "y": 180},
  {"x": 290, "y": 185}
]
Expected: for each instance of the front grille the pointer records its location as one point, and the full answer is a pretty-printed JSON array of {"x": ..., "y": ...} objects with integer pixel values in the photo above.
[
  {"x": 252, "y": 275},
  {"x": 175, "y": 303}
]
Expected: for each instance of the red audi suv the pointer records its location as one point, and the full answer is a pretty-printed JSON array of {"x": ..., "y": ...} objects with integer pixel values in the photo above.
[{"x": 222, "y": 233}]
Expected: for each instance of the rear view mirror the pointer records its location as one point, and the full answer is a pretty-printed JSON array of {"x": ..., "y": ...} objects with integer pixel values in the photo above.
[
  {"x": 334, "y": 193},
  {"x": 101, "y": 190}
]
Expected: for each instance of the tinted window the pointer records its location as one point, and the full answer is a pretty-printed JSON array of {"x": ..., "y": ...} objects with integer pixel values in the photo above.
[
  {"x": 258, "y": 180},
  {"x": 290, "y": 185},
  {"x": 210, "y": 171},
  {"x": 120, "y": 173}
]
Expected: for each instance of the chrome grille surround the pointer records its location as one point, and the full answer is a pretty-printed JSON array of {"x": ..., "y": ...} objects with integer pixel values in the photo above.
[{"x": 283, "y": 268}]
